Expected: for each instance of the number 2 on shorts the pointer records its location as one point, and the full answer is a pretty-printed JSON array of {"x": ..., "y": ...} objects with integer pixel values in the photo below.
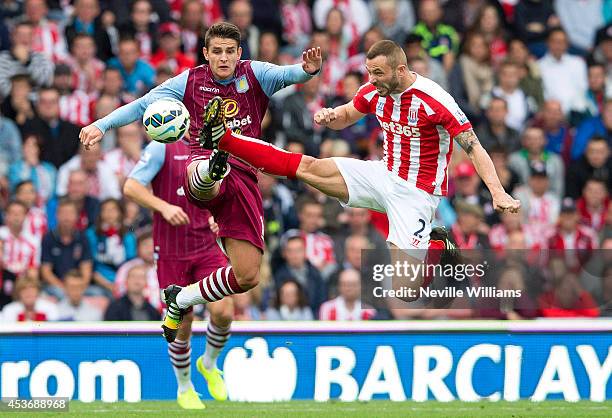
[{"x": 417, "y": 233}]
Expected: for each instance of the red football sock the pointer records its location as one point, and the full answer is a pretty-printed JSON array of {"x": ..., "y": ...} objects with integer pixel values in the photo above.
[
  {"x": 434, "y": 254},
  {"x": 261, "y": 155}
]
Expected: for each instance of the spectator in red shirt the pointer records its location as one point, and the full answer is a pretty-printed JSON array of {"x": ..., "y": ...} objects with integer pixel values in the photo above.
[
  {"x": 29, "y": 306},
  {"x": 169, "y": 53},
  {"x": 347, "y": 306},
  {"x": 593, "y": 205},
  {"x": 87, "y": 70},
  {"x": 21, "y": 254},
  {"x": 570, "y": 235},
  {"x": 568, "y": 299}
]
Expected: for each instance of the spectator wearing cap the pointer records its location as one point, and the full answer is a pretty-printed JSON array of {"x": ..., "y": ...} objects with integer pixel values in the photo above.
[
  {"x": 296, "y": 266},
  {"x": 141, "y": 27},
  {"x": 595, "y": 162},
  {"x": 562, "y": 69},
  {"x": 494, "y": 132},
  {"x": 87, "y": 20},
  {"x": 467, "y": 188},
  {"x": 22, "y": 59},
  {"x": 169, "y": 53},
  {"x": 593, "y": 204},
  {"x": 347, "y": 306},
  {"x": 441, "y": 41},
  {"x": 468, "y": 230},
  {"x": 75, "y": 105},
  {"x": 600, "y": 125},
  {"x": 539, "y": 206},
  {"x": 138, "y": 75},
  {"x": 534, "y": 152},
  {"x": 570, "y": 234}
]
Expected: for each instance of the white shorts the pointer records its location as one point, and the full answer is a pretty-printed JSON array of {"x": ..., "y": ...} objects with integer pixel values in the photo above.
[{"x": 410, "y": 210}]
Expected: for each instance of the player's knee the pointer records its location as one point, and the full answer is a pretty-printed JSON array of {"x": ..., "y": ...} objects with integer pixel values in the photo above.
[
  {"x": 222, "y": 318},
  {"x": 247, "y": 278}
]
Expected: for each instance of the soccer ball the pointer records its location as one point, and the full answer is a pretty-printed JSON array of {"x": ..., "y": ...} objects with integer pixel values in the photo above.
[{"x": 166, "y": 120}]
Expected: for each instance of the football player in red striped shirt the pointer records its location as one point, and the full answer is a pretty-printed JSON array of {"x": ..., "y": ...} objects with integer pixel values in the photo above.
[{"x": 419, "y": 121}]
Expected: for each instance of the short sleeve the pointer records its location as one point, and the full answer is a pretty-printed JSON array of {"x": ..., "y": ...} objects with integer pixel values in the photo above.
[
  {"x": 151, "y": 161},
  {"x": 363, "y": 98},
  {"x": 451, "y": 116}
]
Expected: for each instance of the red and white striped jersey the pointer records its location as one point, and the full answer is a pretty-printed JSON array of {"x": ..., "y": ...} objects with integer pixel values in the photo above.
[
  {"x": 418, "y": 127},
  {"x": 35, "y": 225},
  {"x": 336, "y": 310},
  {"x": 20, "y": 253},
  {"x": 49, "y": 39},
  {"x": 319, "y": 249},
  {"x": 76, "y": 108}
]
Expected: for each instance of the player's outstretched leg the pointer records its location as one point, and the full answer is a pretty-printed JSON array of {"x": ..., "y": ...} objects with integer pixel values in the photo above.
[
  {"x": 179, "y": 352},
  {"x": 217, "y": 334}
]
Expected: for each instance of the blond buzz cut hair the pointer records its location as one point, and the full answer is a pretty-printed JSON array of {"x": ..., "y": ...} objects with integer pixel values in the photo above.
[{"x": 393, "y": 52}]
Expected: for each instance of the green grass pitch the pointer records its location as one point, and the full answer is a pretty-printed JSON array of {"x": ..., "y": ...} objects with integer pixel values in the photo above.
[{"x": 373, "y": 409}]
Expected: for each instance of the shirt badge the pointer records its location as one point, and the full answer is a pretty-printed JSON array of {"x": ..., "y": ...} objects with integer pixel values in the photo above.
[{"x": 242, "y": 85}]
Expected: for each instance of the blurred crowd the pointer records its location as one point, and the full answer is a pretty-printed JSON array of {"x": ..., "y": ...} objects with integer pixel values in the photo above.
[{"x": 533, "y": 76}]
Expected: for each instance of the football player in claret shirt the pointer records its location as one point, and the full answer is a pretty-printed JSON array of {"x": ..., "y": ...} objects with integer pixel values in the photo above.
[
  {"x": 419, "y": 121},
  {"x": 226, "y": 187}
]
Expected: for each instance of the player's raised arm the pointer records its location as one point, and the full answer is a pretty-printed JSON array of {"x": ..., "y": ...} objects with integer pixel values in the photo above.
[
  {"x": 339, "y": 117},
  {"x": 173, "y": 87},
  {"x": 502, "y": 201},
  {"x": 273, "y": 78}
]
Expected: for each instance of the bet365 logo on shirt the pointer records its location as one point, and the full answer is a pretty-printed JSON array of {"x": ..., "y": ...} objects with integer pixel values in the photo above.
[{"x": 399, "y": 129}]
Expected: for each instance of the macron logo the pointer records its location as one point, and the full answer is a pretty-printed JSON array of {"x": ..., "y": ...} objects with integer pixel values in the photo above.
[{"x": 212, "y": 90}]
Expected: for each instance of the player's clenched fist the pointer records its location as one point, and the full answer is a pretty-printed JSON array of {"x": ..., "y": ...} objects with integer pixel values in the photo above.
[
  {"x": 90, "y": 135},
  {"x": 325, "y": 116}
]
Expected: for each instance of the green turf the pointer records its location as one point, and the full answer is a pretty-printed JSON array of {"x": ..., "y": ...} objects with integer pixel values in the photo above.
[{"x": 374, "y": 409}]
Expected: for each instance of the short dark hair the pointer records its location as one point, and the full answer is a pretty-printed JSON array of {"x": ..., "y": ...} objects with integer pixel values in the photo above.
[
  {"x": 223, "y": 30},
  {"x": 16, "y": 203},
  {"x": 66, "y": 201},
  {"x": 393, "y": 52},
  {"x": 554, "y": 30},
  {"x": 23, "y": 183}
]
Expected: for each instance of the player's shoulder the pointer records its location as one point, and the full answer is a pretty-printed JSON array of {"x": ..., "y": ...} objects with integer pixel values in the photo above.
[
  {"x": 434, "y": 95},
  {"x": 153, "y": 151},
  {"x": 367, "y": 91}
]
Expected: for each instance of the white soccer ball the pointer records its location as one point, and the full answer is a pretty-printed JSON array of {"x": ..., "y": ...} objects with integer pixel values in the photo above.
[{"x": 166, "y": 120}]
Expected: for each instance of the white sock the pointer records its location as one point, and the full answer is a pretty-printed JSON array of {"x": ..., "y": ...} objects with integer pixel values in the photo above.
[
  {"x": 216, "y": 337},
  {"x": 180, "y": 357},
  {"x": 189, "y": 296},
  {"x": 200, "y": 181}
]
